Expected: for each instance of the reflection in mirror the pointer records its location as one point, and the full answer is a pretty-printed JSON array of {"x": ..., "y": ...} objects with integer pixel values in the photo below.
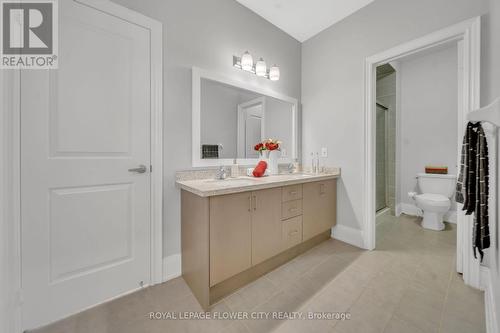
[{"x": 233, "y": 120}]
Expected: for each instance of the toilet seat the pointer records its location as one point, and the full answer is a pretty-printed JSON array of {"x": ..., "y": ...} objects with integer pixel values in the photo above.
[{"x": 434, "y": 200}]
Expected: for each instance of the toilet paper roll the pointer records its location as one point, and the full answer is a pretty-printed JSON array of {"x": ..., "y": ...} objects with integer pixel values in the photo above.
[{"x": 412, "y": 195}]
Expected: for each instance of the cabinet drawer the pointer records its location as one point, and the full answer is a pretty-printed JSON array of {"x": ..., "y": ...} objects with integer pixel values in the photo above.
[
  {"x": 292, "y": 232},
  {"x": 291, "y": 209},
  {"x": 292, "y": 192}
]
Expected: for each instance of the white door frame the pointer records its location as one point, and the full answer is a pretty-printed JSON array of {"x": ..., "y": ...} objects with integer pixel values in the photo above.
[
  {"x": 240, "y": 147},
  {"x": 469, "y": 34},
  {"x": 10, "y": 213}
]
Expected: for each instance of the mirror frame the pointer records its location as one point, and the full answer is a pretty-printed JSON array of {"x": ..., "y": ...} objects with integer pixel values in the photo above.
[{"x": 199, "y": 74}]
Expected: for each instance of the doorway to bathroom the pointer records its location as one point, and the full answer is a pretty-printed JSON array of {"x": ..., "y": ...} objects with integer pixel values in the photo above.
[
  {"x": 465, "y": 36},
  {"x": 416, "y": 139}
]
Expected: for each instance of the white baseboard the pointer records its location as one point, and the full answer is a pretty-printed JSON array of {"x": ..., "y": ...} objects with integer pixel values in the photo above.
[
  {"x": 489, "y": 301},
  {"x": 172, "y": 267},
  {"x": 398, "y": 209},
  {"x": 411, "y": 209},
  {"x": 348, "y": 235}
]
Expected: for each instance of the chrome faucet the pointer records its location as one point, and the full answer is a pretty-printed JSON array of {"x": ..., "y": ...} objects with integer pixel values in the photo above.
[{"x": 221, "y": 173}]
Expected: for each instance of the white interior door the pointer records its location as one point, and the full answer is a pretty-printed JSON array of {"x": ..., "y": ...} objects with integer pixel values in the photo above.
[
  {"x": 85, "y": 216},
  {"x": 251, "y": 124}
]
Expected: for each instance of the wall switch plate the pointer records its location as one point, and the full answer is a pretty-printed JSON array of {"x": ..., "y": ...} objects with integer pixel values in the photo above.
[{"x": 324, "y": 152}]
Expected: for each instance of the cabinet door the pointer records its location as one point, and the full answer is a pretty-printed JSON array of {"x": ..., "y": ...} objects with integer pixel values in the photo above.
[
  {"x": 319, "y": 207},
  {"x": 266, "y": 225},
  {"x": 230, "y": 235}
]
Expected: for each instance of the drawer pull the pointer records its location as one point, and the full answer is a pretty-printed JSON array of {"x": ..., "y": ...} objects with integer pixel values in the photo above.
[
  {"x": 250, "y": 203},
  {"x": 292, "y": 209},
  {"x": 293, "y": 232},
  {"x": 292, "y": 192}
]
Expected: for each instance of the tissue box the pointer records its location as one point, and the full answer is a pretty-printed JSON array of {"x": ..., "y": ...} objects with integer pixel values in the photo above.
[{"x": 442, "y": 170}]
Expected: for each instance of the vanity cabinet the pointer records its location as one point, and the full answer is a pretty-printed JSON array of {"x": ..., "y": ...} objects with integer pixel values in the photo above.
[
  {"x": 266, "y": 225},
  {"x": 229, "y": 240},
  {"x": 245, "y": 229},
  {"x": 230, "y": 235},
  {"x": 319, "y": 207}
]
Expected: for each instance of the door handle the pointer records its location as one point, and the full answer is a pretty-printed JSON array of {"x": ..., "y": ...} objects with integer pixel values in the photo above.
[
  {"x": 141, "y": 169},
  {"x": 254, "y": 202}
]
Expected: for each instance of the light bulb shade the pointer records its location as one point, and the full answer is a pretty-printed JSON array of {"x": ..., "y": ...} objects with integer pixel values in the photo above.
[
  {"x": 246, "y": 61},
  {"x": 261, "y": 68},
  {"x": 274, "y": 73}
]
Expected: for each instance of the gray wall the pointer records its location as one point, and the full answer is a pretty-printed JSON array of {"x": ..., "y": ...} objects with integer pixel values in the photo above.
[
  {"x": 428, "y": 110},
  {"x": 332, "y": 81},
  {"x": 219, "y": 115},
  {"x": 207, "y": 34},
  {"x": 279, "y": 123}
]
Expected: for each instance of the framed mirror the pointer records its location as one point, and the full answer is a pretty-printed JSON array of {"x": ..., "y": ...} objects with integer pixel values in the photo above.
[{"x": 231, "y": 117}]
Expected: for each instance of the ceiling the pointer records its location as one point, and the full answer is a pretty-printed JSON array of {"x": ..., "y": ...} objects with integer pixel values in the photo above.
[{"x": 303, "y": 19}]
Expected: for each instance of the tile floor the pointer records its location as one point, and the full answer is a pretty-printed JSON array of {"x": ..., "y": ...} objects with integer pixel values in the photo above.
[{"x": 407, "y": 285}]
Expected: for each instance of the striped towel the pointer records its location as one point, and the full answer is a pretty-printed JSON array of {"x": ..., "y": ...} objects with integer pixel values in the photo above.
[
  {"x": 481, "y": 233},
  {"x": 472, "y": 184}
]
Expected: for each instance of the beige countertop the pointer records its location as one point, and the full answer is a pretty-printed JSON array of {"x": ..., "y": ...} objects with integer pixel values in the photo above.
[{"x": 211, "y": 187}]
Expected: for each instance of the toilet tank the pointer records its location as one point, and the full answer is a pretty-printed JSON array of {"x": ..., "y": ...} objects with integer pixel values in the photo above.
[{"x": 437, "y": 184}]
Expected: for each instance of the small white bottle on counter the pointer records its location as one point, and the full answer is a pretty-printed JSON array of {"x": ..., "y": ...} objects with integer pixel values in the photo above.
[
  {"x": 235, "y": 169},
  {"x": 318, "y": 170}
]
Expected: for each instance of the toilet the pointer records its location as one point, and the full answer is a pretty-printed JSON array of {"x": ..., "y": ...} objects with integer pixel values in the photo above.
[{"x": 435, "y": 198}]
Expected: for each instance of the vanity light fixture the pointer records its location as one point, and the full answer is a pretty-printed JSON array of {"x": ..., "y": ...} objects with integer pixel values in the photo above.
[
  {"x": 245, "y": 62},
  {"x": 274, "y": 73},
  {"x": 261, "y": 68}
]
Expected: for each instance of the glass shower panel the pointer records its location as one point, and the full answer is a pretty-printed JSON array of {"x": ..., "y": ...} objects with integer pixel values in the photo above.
[{"x": 380, "y": 160}]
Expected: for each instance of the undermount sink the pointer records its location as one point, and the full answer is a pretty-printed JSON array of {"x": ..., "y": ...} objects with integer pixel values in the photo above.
[
  {"x": 294, "y": 175},
  {"x": 247, "y": 181},
  {"x": 232, "y": 181}
]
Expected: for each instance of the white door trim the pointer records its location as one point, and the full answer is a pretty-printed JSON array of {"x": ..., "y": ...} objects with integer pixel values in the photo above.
[
  {"x": 10, "y": 205},
  {"x": 240, "y": 146},
  {"x": 10, "y": 216},
  {"x": 469, "y": 32}
]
